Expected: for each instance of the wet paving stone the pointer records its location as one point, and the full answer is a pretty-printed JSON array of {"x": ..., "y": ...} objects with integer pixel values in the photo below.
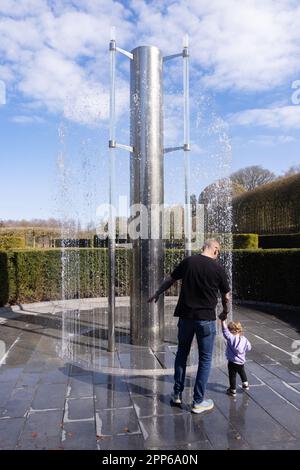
[
  {"x": 289, "y": 332},
  {"x": 166, "y": 359},
  {"x": 173, "y": 430},
  {"x": 35, "y": 365},
  {"x": 9, "y": 373},
  {"x": 283, "y": 412},
  {"x": 221, "y": 433},
  {"x": 59, "y": 375},
  {"x": 252, "y": 422},
  {"x": 41, "y": 426},
  {"x": 139, "y": 360},
  {"x": 6, "y": 389},
  {"x": 201, "y": 445},
  {"x": 18, "y": 356},
  {"x": 10, "y": 430},
  {"x": 106, "y": 398},
  {"x": 49, "y": 396},
  {"x": 81, "y": 386},
  {"x": 126, "y": 442},
  {"x": 79, "y": 408},
  {"x": 40, "y": 442},
  {"x": 111, "y": 382},
  {"x": 290, "y": 445},
  {"x": 79, "y": 435},
  {"x": 28, "y": 379},
  {"x": 119, "y": 421},
  {"x": 18, "y": 403},
  {"x": 76, "y": 370},
  {"x": 261, "y": 372},
  {"x": 283, "y": 373},
  {"x": 286, "y": 390},
  {"x": 147, "y": 385}
]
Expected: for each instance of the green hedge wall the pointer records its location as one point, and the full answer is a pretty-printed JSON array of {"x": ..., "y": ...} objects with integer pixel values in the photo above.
[
  {"x": 35, "y": 275},
  {"x": 289, "y": 240},
  {"x": 10, "y": 243},
  {"x": 267, "y": 276},
  {"x": 270, "y": 208},
  {"x": 246, "y": 241}
]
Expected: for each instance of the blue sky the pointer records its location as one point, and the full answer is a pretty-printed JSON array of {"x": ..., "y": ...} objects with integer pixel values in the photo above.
[{"x": 55, "y": 69}]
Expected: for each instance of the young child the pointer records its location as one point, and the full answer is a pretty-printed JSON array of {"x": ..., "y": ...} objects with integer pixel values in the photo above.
[{"x": 237, "y": 347}]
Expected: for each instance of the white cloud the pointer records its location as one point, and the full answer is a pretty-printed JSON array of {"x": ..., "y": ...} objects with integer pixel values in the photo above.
[
  {"x": 248, "y": 45},
  {"x": 268, "y": 140},
  {"x": 20, "y": 8},
  {"x": 55, "y": 53},
  {"x": 5, "y": 73},
  {"x": 59, "y": 59},
  {"x": 24, "y": 119},
  {"x": 278, "y": 117}
]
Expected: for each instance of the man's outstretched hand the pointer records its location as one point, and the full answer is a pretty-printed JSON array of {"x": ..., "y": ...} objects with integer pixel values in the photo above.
[
  {"x": 223, "y": 316},
  {"x": 154, "y": 297}
]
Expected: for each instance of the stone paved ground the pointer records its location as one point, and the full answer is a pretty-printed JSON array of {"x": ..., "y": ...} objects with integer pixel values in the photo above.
[{"x": 46, "y": 403}]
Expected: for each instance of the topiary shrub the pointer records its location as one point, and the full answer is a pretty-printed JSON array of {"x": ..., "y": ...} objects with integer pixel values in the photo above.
[
  {"x": 267, "y": 275},
  {"x": 289, "y": 240},
  {"x": 246, "y": 241},
  {"x": 10, "y": 243}
]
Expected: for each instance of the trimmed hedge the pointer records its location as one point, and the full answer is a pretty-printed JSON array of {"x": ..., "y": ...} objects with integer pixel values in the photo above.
[
  {"x": 267, "y": 276},
  {"x": 72, "y": 243},
  {"x": 289, "y": 240},
  {"x": 246, "y": 241},
  {"x": 270, "y": 208},
  {"x": 35, "y": 275},
  {"x": 10, "y": 243}
]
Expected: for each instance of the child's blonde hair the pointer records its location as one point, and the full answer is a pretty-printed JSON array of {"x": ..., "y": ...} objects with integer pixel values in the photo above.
[{"x": 235, "y": 328}]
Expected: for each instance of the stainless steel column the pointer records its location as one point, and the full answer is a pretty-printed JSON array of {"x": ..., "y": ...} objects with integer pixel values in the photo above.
[{"x": 147, "y": 188}]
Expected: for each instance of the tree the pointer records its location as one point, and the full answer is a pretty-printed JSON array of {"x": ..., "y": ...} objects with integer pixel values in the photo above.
[
  {"x": 252, "y": 176},
  {"x": 293, "y": 170}
]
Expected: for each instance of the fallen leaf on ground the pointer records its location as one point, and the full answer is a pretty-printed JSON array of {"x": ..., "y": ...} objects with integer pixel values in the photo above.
[
  {"x": 100, "y": 438},
  {"x": 33, "y": 434}
]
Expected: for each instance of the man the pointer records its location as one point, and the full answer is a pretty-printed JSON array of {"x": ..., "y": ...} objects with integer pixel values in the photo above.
[{"x": 202, "y": 278}]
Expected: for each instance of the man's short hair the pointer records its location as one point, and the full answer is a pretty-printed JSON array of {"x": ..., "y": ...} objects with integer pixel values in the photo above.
[{"x": 209, "y": 242}]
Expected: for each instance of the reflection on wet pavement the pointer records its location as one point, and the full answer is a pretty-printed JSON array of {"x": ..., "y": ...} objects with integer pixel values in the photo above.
[{"x": 49, "y": 403}]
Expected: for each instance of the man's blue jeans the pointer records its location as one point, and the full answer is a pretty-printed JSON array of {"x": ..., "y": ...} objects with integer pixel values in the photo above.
[{"x": 205, "y": 331}]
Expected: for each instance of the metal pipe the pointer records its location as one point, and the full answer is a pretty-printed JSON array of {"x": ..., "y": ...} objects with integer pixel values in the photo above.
[
  {"x": 147, "y": 189},
  {"x": 186, "y": 149},
  {"x": 112, "y": 221}
]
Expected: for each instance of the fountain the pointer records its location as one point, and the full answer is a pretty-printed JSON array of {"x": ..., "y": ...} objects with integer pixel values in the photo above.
[{"x": 93, "y": 329}]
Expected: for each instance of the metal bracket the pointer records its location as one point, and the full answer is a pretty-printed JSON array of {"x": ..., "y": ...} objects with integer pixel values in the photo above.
[
  {"x": 184, "y": 53},
  {"x": 185, "y": 147},
  {"x": 173, "y": 56},
  {"x": 112, "y": 144},
  {"x": 172, "y": 149},
  {"x": 113, "y": 47},
  {"x": 122, "y": 51}
]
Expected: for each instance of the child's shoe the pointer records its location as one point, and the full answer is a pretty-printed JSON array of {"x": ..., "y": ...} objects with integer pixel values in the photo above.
[
  {"x": 245, "y": 386},
  {"x": 231, "y": 392},
  {"x": 176, "y": 398}
]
